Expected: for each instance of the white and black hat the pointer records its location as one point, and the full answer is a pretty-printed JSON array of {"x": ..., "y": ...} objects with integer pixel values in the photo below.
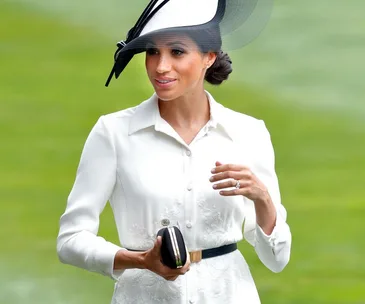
[{"x": 211, "y": 23}]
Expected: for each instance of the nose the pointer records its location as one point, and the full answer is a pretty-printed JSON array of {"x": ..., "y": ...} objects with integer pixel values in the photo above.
[{"x": 163, "y": 65}]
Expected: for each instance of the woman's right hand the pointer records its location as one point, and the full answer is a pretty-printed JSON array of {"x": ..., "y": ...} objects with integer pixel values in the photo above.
[{"x": 152, "y": 262}]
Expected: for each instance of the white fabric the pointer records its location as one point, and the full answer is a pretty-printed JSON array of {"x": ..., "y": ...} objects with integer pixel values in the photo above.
[
  {"x": 181, "y": 13},
  {"x": 135, "y": 159}
]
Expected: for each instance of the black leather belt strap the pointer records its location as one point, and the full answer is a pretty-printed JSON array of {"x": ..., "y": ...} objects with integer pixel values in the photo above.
[{"x": 213, "y": 252}]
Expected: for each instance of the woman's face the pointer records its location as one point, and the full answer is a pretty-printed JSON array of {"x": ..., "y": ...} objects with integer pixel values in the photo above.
[{"x": 176, "y": 67}]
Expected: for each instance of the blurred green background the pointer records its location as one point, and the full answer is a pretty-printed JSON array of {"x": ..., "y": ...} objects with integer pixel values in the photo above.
[{"x": 304, "y": 76}]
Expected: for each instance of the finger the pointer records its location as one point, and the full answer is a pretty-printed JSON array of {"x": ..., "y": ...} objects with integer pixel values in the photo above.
[
  {"x": 244, "y": 174},
  {"x": 231, "y": 192},
  {"x": 186, "y": 266},
  {"x": 228, "y": 167},
  {"x": 185, "y": 269},
  {"x": 226, "y": 175},
  {"x": 167, "y": 272},
  {"x": 230, "y": 184},
  {"x": 157, "y": 246},
  {"x": 158, "y": 242},
  {"x": 171, "y": 272},
  {"x": 171, "y": 278},
  {"x": 227, "y": 184}
]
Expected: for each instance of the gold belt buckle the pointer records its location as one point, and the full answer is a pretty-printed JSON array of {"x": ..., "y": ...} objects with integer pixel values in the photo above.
[{"x": 195, "y": 256}]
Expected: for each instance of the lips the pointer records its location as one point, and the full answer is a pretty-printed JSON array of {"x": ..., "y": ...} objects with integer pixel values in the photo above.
[{"x": 164, "y": 83}]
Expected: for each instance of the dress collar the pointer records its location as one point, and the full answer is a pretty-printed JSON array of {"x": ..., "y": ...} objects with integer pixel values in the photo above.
[{"x": 147, "y": 114}]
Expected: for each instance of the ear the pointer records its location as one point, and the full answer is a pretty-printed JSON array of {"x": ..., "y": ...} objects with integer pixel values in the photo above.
[{"x": 211, "y": 57}]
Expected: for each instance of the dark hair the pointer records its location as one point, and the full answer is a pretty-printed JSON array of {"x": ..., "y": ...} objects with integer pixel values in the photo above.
[
  {"x": 209, "y": 40},
  {"x": 220, "y": 69}
]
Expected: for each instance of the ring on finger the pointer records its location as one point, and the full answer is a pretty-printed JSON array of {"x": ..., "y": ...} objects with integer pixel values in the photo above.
[{"x": 238, "y": 185}]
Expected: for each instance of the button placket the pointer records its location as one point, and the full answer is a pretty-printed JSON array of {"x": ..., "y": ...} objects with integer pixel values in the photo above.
[
  {"x": 188, "y": 170},
  {"x": 188, "y": 195}
]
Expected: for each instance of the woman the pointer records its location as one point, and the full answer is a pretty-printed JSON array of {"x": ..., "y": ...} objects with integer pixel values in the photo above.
[{"x": 177, "y": 159}]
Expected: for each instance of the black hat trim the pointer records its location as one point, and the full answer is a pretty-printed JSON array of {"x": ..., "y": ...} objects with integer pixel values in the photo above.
[{"x": 132, "y": 34}]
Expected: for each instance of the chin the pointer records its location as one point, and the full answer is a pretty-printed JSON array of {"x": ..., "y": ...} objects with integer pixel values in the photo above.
[{"x": 167, "y": 95}]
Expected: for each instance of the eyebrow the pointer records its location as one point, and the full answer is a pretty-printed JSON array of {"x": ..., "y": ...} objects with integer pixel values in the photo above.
[
  {"x": 175, "y": 43},
  {"x": 151, "y": 44}
]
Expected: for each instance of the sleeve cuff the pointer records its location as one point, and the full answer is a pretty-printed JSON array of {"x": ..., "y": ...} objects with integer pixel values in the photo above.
[
  {"x": 262, "y": 237},
  {"x": 271, "y": 239},
  {"x": 115, "y": 274},
  {"x": 106, "y": 261}
]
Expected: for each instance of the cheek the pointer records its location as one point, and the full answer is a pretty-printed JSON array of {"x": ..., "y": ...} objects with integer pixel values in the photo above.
[
  {"x": 149, "y": 63},
  {"x": 191, "y": 69}
]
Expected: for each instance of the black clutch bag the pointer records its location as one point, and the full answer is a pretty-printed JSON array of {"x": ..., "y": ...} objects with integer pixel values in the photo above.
[{"x": 173, "y": 250}]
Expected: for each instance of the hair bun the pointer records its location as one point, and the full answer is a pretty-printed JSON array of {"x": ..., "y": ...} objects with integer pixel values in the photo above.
[{"x": 220, "y": 69}]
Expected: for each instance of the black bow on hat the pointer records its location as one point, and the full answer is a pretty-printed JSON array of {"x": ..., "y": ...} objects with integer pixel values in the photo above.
[{"x": 122, "y": 61}]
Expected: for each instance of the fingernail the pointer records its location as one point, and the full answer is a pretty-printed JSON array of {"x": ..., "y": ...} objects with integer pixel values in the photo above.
[
  {"x": 211, "y": 179},
  {"x": 213, "y": 170},
  {"x": 215, "y": 186}
]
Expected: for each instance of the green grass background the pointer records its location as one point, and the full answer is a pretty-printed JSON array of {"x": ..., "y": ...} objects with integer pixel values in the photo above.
[{"x": 303, "y": 76}]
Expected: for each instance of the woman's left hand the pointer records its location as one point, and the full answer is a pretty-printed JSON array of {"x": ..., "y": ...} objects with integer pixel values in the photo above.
[{"x": 250, "y": 186}]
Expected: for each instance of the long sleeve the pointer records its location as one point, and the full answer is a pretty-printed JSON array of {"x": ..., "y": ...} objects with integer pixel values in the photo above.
[
  {"x": 77, "y": 242},
  {"x": 273, "y": 250}
]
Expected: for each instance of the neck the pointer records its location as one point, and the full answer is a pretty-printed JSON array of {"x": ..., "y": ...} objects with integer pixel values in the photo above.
[{"x": 188, "y": 111}]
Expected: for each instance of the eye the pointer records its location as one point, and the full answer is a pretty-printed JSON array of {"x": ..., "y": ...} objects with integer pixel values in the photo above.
[
  {"x": 151, "y": 51},
  {"x": 177, "y": 52}
]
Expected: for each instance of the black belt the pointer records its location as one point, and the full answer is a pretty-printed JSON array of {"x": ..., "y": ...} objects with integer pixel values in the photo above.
[
  {"x": 196, "y": 256},
  {"x": 213, "y": 252}
]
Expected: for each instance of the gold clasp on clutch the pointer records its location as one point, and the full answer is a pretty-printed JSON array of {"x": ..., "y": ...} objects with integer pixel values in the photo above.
[{"x": 195, "y": 256}]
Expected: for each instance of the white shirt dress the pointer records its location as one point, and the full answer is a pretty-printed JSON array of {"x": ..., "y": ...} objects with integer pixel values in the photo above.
[{"x": 151, "y": 177}]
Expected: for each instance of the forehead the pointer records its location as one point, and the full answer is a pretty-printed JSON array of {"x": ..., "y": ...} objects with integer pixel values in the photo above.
[{"x": 172, "y": 40}]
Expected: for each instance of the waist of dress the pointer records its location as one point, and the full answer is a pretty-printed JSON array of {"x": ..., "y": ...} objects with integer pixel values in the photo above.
[{"x": 197, "y": 256}]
